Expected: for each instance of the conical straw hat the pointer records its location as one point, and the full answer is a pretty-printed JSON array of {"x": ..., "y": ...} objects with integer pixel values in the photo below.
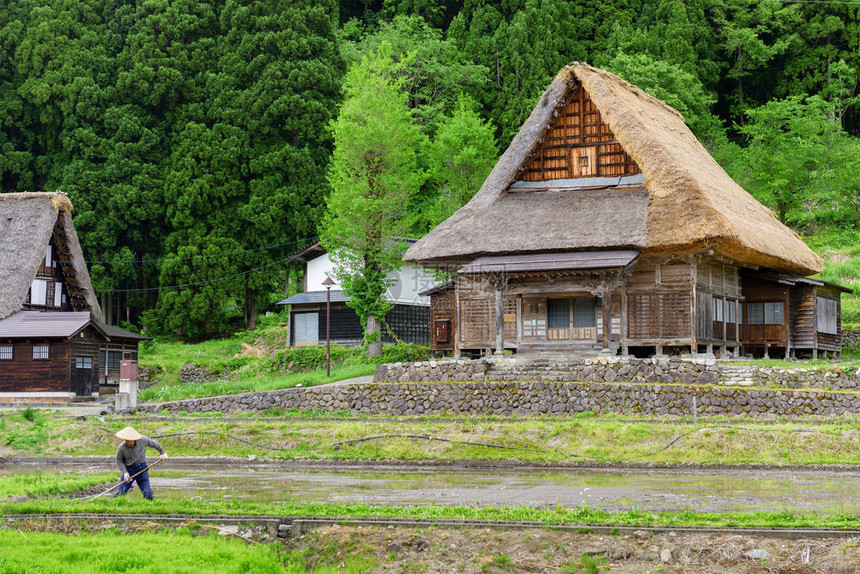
[{"x": 128, "y": 433}]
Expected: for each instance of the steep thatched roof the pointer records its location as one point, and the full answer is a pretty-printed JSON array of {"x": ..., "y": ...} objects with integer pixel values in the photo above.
[
  {"x": 26, "y": 225},
  {"x": 693, "y": 204}
]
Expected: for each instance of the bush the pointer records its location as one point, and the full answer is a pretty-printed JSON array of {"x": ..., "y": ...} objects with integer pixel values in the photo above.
[
  {"x": 404, "y": 353},
  {"x": 303, "y": 359}
]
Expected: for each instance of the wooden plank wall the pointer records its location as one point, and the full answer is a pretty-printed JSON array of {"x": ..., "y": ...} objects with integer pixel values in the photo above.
[
  {"x": 658, "y": 299},
  {"x": 755, "y": 290},
  {"x": 721, "y": 280},
  {"x": 578, "y": 144},
  {"x": 828, "y": 341},
  {"x": 802, "y": 316},
  {"x": 442, "y": 309},
  {"x": 477, "y": 322},
  {"x": 534, "y": 319},
  {"x": 23, "y": 373}
]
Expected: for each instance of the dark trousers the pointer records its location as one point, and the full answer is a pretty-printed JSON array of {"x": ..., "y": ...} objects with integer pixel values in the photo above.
[{"x": 141, "y": 479}]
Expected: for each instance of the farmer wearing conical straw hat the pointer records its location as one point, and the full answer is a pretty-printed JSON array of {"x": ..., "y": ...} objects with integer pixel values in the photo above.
[{"x": 131, "y": 459}]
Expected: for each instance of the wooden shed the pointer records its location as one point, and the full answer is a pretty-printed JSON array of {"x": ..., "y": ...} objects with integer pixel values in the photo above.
[
  {"x": 52, "y": 334},
  {"x": 622, "y": 234}
]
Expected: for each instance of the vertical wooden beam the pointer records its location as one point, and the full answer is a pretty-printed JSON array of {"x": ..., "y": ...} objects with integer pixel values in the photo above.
[
  {"x": 500, "y": 322},
  {"x": 785, "y": 317},
  {"x": 519, "y": 319},
  {"x": 624, "y": 335},
  {"x": 694, "y": 272},
  {"x": 815, "y": 323},
  {"x": 607, "y": 316},
  {"x": 456, "y": 333}
]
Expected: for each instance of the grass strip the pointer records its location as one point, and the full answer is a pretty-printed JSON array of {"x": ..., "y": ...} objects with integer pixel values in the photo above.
[
  {"x": 40, "y": 484},
  {"x": 178, "y": 392},
  {"x": 180, "y": 551},
  {"x": 550, "y": 516},
  {"x": 598, "y": 439}
]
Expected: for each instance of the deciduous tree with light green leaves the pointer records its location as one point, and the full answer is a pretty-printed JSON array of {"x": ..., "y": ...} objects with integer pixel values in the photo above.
[
  {"x": 458, "y": 159},
  {"x": 373, "y": 173}
]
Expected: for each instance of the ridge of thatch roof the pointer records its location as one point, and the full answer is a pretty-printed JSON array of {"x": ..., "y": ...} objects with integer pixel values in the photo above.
[
  {"x": 26, "y": 224},
  {"x": 694, "y": 204}
]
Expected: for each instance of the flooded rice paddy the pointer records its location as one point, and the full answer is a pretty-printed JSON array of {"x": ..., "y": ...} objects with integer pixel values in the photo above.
[{"x": 716, "y": 490}]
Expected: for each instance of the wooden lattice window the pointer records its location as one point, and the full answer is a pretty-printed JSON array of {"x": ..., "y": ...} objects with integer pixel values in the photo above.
[{"x": 578, "y": 144}]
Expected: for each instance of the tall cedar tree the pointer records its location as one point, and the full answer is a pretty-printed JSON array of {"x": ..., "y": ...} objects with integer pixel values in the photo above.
[{"x": 373, "y": 173}]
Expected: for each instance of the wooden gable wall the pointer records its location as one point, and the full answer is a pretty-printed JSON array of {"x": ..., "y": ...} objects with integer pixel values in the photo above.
[{"x": 578, "y": 144}]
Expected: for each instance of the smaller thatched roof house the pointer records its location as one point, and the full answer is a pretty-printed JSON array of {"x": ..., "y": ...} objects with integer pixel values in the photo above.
[
  {"x": 600, "y": 167},
  {"x": 53, "y": 343},
  {"x": 28, "y": 221}
]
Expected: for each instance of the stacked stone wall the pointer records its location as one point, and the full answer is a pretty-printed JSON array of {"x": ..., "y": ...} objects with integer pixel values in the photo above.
[
  {"x": 510, "y": 387},
  {"x": 535, "y": 398}
]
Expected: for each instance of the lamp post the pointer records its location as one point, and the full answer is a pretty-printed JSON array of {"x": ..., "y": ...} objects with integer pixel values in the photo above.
[{"x": 327, "y": 283}]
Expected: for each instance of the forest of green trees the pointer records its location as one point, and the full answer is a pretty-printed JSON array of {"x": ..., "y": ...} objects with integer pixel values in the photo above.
[{"x": 199, "y": 140}]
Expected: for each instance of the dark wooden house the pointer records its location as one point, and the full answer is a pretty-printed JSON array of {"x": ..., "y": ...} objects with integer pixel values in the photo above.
[
  {"x": 53, "y": 342},
  {"x": 409, "y": 318},
  {"x": 621, "y": 234}
]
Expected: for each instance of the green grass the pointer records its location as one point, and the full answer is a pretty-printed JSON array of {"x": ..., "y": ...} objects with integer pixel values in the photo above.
[
  {"x": 108, "y": 552},
  {"x": 584, "y": 515},
  {"x": 534, "y": 440},
  {"x": 178, "y": 391},
  {"x": 39, "y": 484},
  {"x": 840, "y": 251},
  {"x": 166, "y": 358}
]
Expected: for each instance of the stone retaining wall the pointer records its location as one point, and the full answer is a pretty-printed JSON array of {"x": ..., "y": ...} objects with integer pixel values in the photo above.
[
  {"x": 513, "y": 387},
  {"x": 518, "y": 398},
  {"x": 702, "y": 371},
  {"x": 837, "y": 378},
  {"x": 608, "y": 370}
]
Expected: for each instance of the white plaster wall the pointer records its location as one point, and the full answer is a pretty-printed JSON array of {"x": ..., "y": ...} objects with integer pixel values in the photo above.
[
  {"x": 318, "y": 269},
  {"x": 410, "y": 280}
]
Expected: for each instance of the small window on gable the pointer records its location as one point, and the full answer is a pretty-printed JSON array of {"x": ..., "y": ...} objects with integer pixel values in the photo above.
[
  {"x": 5, "y": 352},
  {"x": 41, "y": 352}
]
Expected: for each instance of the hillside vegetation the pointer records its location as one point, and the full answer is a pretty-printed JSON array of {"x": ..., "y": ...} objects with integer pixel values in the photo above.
[{"x": 196, "y": 138}]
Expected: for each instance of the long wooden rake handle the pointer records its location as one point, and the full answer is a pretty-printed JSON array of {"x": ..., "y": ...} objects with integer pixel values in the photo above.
[{"x": 120, "y": 483}]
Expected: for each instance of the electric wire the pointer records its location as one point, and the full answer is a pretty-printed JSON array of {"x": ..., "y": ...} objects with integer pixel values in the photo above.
[{"x": 204, "y": 256}]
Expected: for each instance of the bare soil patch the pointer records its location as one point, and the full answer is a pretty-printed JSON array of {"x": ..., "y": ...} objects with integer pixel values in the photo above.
[{"x": 485, "y": 550}]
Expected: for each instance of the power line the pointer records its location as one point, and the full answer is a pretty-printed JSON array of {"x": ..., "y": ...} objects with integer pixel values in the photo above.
[
  {"x": 224, "y": 254},
  {"x": 198, "y": 284},
  {"x": 846, "y": 2}
]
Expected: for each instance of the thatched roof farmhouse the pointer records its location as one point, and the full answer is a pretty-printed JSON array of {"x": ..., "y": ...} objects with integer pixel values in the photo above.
[
  {"x": 53, "y": 343},
  {"x": 601, "y": 167}
]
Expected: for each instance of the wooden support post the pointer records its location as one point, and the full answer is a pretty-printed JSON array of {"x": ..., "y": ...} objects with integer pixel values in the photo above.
[
  {"x": 785, "y": 318},
  {"x": 500, "y": 322},
  {"x": 607, "y": 317},
  {"x": 457, "y": 323},
  {"x": 624, "y": 330},
  {"x": 766, "y": 351}
]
